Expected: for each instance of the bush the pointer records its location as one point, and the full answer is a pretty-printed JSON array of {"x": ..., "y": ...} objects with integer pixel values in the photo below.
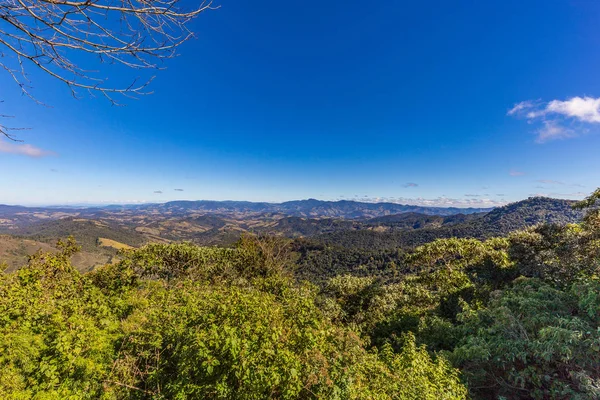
[{"x": 182, "y": 322}]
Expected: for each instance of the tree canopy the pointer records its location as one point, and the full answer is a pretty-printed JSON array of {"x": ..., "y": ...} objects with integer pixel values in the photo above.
[{"x": 515, "y": 317}]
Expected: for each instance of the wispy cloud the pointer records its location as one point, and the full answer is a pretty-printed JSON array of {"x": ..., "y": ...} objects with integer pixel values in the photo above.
[
  {"x": 568, "y": 196},
  {"x": 560, "y": 119},
  {"x": 441, "y": 201},
  {"x": 158, "y": 191},
  {"x": 410, "y": 184},
  {"x": 514, "y": 172},
  {"x": 551, "y": 130},
  {"x": 472, "y": 195},
  {"x": 178, "y": 190},
  {"x": 553, "y": 182},
  {"x": 23, "y": 149},
  {"x": 574, "y": 195},
  {"x": 520, "y": 107}
]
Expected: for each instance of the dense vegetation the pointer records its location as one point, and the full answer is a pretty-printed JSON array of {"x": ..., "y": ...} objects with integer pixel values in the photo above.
[
  {"x": 512, "y": 317},
  {"x": 180, "y": 321},
  {"x": 327, "y": 245},
  {"x": 410, "y": 230}
]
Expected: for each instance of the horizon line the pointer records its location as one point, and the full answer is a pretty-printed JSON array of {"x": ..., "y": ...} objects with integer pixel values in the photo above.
[{"x": 365, "y": 201}]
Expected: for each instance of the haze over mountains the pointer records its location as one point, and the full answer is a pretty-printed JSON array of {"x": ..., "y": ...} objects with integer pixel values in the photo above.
[
  {"x": 103, "y": 230},
  {"x": 298, "y": 208}
]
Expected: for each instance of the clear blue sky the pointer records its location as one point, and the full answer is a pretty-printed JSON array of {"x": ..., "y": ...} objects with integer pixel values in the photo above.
[{"x": 281, "y": 100}]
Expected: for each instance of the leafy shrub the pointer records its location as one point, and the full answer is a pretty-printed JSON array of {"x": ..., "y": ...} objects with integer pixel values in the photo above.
[
  {"x": 181, "y": 322},
  {"x": 534, "y": 341}
]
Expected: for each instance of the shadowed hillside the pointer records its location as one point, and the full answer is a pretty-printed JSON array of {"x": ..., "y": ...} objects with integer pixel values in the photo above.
[{"x": 410, "y": 230}]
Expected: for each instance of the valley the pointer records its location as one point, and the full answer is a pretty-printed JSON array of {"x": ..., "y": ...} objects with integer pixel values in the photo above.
[{"x": 353, "y": 226}]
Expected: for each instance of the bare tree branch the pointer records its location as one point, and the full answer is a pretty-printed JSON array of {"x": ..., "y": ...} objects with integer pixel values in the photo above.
[{"x": 49, "y": 34}]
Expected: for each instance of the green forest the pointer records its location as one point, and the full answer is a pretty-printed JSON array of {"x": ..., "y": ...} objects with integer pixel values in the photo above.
[{"x": 507, "y": 317}]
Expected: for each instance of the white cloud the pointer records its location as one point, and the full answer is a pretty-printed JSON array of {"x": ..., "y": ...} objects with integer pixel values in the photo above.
[
  {"x": 514, "y": 172},
  {"x": 519, "y": 107},
  {"x": 23, "y": 149},
  {"x": 441, "y": 201},
  {"x": 559, "y": 117},
  {"x": 575, "y": 195},
  {"x": 410, "y": 184},
  {"x": 586, "y": 109},
  {"x": 550, "y": 182},
  {"x": 553, "y": 130}
]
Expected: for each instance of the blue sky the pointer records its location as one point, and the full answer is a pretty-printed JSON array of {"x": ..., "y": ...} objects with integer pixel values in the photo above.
[{"x": 468, "y": 104}]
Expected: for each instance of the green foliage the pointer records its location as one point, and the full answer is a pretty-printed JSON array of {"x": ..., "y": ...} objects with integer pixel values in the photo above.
[
  {"x": 519, "y": 316},
  {"x": 180, "y": 260},
  {"x": 360, "y": 301},
  {"x": 408, "y": 232},
  {"x": 533, "y": 341},
  {"x": 560, "y": 254},
  {"x": 183, "y": 322},
  {"x": 318, "y": 263},
  {"x": 232, "y": 342},
  {"x": 56, "y": 331}
]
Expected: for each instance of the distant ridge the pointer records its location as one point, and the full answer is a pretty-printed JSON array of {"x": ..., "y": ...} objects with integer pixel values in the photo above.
[
  {"x": 311, "y": 208},
  {"x": 410, "y": 230}
]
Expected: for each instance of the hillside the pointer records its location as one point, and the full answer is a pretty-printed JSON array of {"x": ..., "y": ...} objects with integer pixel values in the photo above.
[
  {"x": 99, "y": 240},
  {"x": 304, "y": 208},
  {"x": 14, "y": 250},
  {"x": 85, "y": 231},
  {"x": 413, "y": 220},
  {"x": 410, "y": 230},
  {"x": 132, "y": 226},
  {"x": 502, "y": 310}
]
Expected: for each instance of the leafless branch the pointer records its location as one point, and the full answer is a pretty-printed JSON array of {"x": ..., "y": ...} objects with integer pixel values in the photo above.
[{"x": 52, "y": 36}]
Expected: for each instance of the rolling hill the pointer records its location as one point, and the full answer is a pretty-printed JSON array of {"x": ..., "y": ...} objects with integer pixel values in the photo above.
[
  {"x": 101, "y": 231},
  {"x": 410, "y": 230}
]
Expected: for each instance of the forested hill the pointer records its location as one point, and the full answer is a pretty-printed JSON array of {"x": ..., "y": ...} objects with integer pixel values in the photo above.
[
  {"x": 103, "y": 230},
  {"x": 307, "y": 208},
  {"x": 512, "y": 317},
  {"x": 12, "y": 218},
  {"x": 410, "y": 230},
  {"x": 534, "y": 210}
]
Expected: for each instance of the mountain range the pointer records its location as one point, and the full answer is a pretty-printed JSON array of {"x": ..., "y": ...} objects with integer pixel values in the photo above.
[
  {"x": 299, "y": 208},
  {"x": 103, "y": 230}
]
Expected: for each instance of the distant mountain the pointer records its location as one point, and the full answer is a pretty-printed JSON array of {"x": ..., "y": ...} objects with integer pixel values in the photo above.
[
  {"x": 13, "y": 218},
  {"x": 298, "y": 227},
  {"x": 409, "y": 230},
  {"x": 345, "y": 224},
  {"x": 532, "y": 211},
  {"x": 412, "y": 220},
  {"x": 305, "y": 208}
]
